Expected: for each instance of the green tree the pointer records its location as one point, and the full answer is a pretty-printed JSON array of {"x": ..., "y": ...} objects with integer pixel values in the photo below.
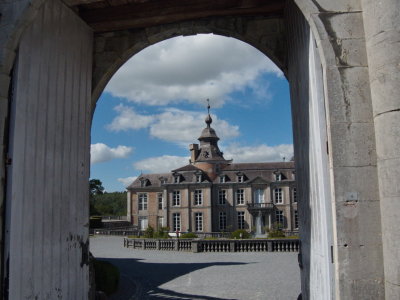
[
  {"x": 109, "y": 204},
  {"x": 95, "y": 187}
]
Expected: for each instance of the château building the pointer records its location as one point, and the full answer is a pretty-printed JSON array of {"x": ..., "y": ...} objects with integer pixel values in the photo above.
[{"x": 212, "y": 194}]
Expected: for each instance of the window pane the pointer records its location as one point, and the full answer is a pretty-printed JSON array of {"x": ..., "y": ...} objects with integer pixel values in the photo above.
[
  {"x": 142, "y": 201},
  {"x": 279, "y": 218},
  {"x": 222, "y": 221},
  {"x": 240, "y": 196},
  {"x": 198, "y": 197},
  {"x": 176, "y": 198},
  {"x": 240, "y": 219},
  {"x": 160, "y": 200},
  {"x": 278, "y": 196},
  {"x": 221, "y": 197},
  {"x": 176, "y": 222},
  {"x": 198, "y": 222}
]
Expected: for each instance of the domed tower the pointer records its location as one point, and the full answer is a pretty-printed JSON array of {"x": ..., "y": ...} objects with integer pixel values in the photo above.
[{"x": 208, "y": 157}]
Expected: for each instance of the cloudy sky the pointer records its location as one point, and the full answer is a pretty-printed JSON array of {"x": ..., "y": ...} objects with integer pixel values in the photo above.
[{"x": 155, "y": 106}]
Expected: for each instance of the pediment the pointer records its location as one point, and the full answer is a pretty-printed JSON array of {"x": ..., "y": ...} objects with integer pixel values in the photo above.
[{"x": 258, "y": 180}]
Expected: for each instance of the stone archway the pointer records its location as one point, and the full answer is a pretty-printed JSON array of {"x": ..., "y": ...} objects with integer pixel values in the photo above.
[{"x": 327, "y": 68}]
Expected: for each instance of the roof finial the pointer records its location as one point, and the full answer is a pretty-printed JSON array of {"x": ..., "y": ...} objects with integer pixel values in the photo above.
[{"x": 208, "y": 118}]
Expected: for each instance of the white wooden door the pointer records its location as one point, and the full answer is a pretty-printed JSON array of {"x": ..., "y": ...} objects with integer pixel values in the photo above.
[{"x": 47, "y": 197}]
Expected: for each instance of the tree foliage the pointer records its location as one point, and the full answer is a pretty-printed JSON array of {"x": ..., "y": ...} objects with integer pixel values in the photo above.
[
  {"x": 95, "y": 187},
  {"x": 109, "y": 204},
  {"x": 103, "y": 203},
  {"x": 276, "y": 231},
  {"x": 240, "y": 234}
]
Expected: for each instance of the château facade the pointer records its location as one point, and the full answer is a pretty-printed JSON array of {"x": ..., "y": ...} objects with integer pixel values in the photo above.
[{"x": 212, "y": 194}]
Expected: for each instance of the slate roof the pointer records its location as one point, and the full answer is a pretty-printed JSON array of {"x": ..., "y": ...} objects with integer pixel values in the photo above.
[
  {"x": 154, "y": 179},
  {"x": 260, "y": 166},
  {"x": 250, "y": 171},
  {"x": 186, "y": 168}
]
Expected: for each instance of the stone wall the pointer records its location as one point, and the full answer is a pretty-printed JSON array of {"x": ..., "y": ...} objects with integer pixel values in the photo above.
[
  {"x": 355, "y": 65},
  {"x": 382, "y": 35}
]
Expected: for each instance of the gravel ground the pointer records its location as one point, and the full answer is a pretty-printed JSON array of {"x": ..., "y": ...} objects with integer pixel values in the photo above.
[{"x": 210, "y": 276}]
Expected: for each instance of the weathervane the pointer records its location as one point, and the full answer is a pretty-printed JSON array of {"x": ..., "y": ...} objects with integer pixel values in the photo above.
[{"x": 208, "y": 105}]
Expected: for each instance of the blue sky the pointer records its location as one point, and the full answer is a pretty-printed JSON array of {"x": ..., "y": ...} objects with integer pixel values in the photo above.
[{"x": 155, "y": 106}]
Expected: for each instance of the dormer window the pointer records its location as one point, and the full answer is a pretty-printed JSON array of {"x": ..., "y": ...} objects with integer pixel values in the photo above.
[
  {"x": 177, "y": 179},
  {"x": 222, "y": 179},
  {"x": 240, "y": 177},
  {"x": 278, "y": 176},
  {"x": 143, "y": 182},
  {"x": 199, "y": 178},
  {"x": 163, "y": 180}
]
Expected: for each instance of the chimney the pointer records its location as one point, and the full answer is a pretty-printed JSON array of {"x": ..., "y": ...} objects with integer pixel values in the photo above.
[{"x": 194, "y": 152}]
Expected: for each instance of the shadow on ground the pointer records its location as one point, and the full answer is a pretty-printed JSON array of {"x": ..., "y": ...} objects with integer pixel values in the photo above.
[{"x": 142, "y": 280}]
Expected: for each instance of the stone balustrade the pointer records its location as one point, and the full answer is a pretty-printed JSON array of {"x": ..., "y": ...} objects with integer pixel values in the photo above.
[{"x": 226, "y": 245}]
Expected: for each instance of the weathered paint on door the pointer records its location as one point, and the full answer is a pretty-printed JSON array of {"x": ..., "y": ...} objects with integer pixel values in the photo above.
[{"x": 48, "y": 202}]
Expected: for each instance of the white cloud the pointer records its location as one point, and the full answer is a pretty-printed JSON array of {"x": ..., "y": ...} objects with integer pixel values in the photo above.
[
  {"x": 191, "y": 69},
  {"x": 127, "y": 180},
  {"x": 128, "y": 119},
  {"x": 161, "y": 164},
  {"x": 184, "y": 127},
  {"x": 101, "y": 152},
  {"x": 260, "y": 153},
  {"x": 178, "y": 126}
]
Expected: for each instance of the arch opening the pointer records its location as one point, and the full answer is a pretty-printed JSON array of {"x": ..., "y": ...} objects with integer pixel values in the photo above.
[
  {"x": 319, "y": 95},
  {"x": 192, "y": 116}
]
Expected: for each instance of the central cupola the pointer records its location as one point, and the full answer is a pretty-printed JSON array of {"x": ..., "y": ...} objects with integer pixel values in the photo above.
[{"x": 208, "y": 156}]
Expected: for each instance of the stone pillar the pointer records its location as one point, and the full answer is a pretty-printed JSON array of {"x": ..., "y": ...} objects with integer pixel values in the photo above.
[
  {"x": 195, "y": 246},
  {"x": 269, "y": 220},
  {"x": 128, "y": 207},
  {"x": 190, "y": 225},
  {"x": 232, "y": 246},
  {"x": 165, "y": 208},
  {"x": 382, "y": 33},
  {"x": 210, "y": 217}
]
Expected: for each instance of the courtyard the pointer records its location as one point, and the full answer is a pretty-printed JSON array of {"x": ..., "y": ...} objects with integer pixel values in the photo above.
[{"x": 209, "y": 276}]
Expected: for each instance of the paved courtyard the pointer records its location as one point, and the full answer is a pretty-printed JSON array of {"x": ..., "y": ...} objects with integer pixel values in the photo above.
[{"x": 210, "y": 276}]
